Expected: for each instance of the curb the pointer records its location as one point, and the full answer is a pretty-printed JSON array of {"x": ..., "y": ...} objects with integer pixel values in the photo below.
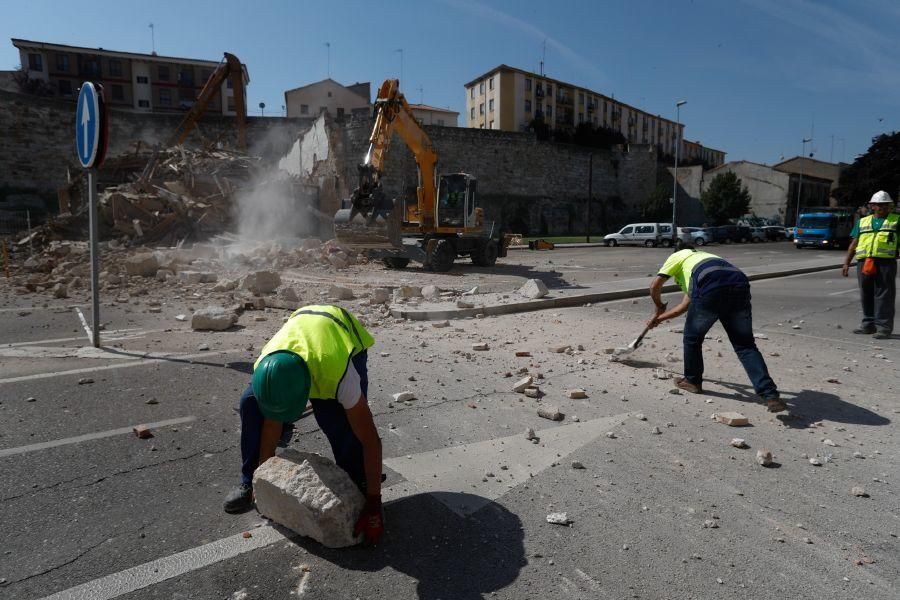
[
  {"x": 566, "y": 245},
  {"x": 575, "y": 300}
]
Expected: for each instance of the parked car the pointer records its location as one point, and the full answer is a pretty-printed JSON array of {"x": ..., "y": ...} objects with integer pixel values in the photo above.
[
  {"x": 641, "y": 234},
  {"x": 725, "y": 234},
  {"x": 790, "y": 232},
  {"x": 696, "y": 236},
  {"x": 776, "y": 233},
  {"x": 758, "y": 234}
]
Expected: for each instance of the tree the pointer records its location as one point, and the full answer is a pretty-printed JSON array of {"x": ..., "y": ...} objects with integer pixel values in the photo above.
[
  {"x": 30, "y": 85},
  {"x": 725, "y": 198},
  {"x": 877, "y": 169},
  {"x": 657, "y": 206}
]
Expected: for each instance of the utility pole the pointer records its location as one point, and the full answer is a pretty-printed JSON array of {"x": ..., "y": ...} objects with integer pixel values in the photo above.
[
  {"x": 153, "y": 38},
  {"x": 590, "y": 193},
  {"x": 800, "y": 182},
  {"x": 421, "y": 94},
  {"x": 678, "y": 106}
]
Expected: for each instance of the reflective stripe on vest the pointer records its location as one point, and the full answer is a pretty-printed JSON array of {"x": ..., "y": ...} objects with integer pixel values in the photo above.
[
  {"x": 878, "y": 244},
  {"x": 326, "y": 337}
]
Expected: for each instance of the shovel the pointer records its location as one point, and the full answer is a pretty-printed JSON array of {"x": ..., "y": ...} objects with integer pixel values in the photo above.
[{"x": 633, "y": 345}]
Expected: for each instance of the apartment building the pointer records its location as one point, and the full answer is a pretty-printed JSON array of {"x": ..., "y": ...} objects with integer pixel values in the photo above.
[
  {"x": 508, "y": 99},
  {"x": 329, "y": 95},
  {"x": 131, "y": 80},
  {"x": 692, "y": 152},
  {"x": 432, "y": 115}
]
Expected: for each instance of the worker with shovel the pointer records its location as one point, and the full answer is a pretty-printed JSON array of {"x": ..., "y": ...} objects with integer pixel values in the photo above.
[
  {"x": 319, "y": 355},
  {"x": 714, "y": 290}
]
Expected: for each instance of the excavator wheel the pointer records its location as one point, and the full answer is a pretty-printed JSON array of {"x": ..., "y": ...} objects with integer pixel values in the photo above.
[
  {"x": 395, "y": 262},
  {"x": 485, "y": 255},
  {"x": 442, "y": 256}
]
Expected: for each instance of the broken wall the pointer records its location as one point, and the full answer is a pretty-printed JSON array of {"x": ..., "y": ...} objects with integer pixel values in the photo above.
[{"x": 39, "y": 137}]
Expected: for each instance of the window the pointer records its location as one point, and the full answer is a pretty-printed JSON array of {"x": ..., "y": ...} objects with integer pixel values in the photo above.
[
  {"x": 205, "y": 74},
  {"x": 65, "y": 87},
  {"x": 322, "y": 109},
  {"x": 62, "y": 63},
  {"x": 118, "y": 92},
  {"x": 491, "y": 105},
  {"x": 35, "y": 62},
  {"x": 481, "y": 89},
  {"x": 162, "y": 73},
  {"x": 581, "y": 98},
  {"x": 549, "y": 111},
  {"x": 527, "y": 84},
  {"x": 304, "y": 109},
  {"x": 492, "y": 124},
  {"x": 440, "y": 122},
  {"x": 580, "y": 118},
  {"x": 142, "y": 79},
  {"x": 165, "y": 97},
  {"x": 228, "y": 83},
  {"x": 115, "y": 68},
  {"x": 491, "y": 83},
  {"x": 186, "y": 77},
  {"x": 627, "y": 230},
  {"x": 144, "y": 103},
  {"x": 549, "y": 90},
  {"x": 539, "y": 108},
  {"x": 329, "y": 94},
  {"x": 528, "y": 106},
  {"x": 231, "y": 104},
  {"x": 481, "y": 108},
  {"x": 472, "y": 92},
  {"x": 644, "y": 229},
  {"x": 340, "y": 113}
]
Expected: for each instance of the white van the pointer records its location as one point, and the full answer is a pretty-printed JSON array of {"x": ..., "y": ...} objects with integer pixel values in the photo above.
[{"x": 642, "y": 234}]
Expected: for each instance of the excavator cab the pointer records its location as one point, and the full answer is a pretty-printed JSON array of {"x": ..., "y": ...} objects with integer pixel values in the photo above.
[{"x": 456, "y": 201}]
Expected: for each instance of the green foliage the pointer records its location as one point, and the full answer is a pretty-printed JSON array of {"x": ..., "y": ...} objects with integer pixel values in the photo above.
[
  {"x": 725, "y": 198},
  {"x": 597, "y": 137},
  {"x": 877, "y": 169},
  {"x": 657, "y": 206}
]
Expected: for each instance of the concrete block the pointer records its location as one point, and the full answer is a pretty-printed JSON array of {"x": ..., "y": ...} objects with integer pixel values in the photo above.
[
  {"x": 261, "y": 282},
  {"x": 576, "y": 394},
  {"x": 214, "y": 318},
  {"x": 194, "y": 277},
  {"x": 310, "y": 495},
  {"x": 522, "y": 384},
  {"x": 431, "y": 292},
  {"x": 733, "y": 419},
  {"x": 144, "y": 264},
  {"x": 550, "y": 412},
  {"x": 534, "y": 289},
  {"x": 340, "y": 292}
]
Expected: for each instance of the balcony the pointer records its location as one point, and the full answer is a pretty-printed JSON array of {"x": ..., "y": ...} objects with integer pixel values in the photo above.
[{"x": 539, "y": 93}]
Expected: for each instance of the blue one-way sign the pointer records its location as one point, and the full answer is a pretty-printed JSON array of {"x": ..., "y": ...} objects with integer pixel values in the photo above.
[{"x": 90, "y": 126}]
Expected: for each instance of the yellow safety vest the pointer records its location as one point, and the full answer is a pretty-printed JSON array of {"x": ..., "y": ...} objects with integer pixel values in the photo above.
[
  {"x": 326, "y": 337},
  {"x": 877, "y": 244}
]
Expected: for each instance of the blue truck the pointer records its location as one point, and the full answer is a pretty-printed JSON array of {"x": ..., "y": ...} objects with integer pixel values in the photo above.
[{"x": 824, "y": 228}]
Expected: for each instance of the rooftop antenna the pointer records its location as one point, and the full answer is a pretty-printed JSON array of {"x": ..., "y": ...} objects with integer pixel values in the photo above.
[
  {"x": 543, "y": 56},
  {"x": 153, "y": 38},
  {"x": 328, "y": 50},
  {"x": 421, "y": 94}
]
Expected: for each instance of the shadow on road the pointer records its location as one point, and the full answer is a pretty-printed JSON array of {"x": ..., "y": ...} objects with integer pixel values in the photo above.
[
  {"x": 807, "y": 406},
  {"x": 451, "y": 557},
  {"x": 552, "y": 279},
  {"x": 241, "y": 366}
]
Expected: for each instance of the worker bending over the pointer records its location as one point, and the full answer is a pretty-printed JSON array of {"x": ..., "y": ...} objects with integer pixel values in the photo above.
[
  {"x": 714, "y": 290},
  {"x": 319, "y": 355}
]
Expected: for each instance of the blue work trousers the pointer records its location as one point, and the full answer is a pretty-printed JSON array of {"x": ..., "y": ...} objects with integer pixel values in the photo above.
[
  {"x": 332, "y": 420},
  {"x": 731, "y": 306}
]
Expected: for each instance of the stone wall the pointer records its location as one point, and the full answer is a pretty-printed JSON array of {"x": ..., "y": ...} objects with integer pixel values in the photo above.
[
  {"x": 39, "y": 137},
  {"x": 526, "y": 186}
]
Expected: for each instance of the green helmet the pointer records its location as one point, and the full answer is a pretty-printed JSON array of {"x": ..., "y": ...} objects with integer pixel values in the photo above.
[{"x": 281, "y": 383}]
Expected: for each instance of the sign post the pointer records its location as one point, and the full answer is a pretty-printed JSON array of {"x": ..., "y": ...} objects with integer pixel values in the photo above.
[{"x": 90, "y": 145}]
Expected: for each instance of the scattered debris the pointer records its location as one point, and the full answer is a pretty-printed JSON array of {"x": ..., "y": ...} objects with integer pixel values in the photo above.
[
  {"x": 739, "y": 443},
  {"x": 530, "y": 435},
  {"x": 710, "y": 524},
  {"x": 815, "y": 461},
  {"x": 142, "y": 432},
  {"x": 558, "y": 518},
  {"x": 550, "y": 412},
  {"x": 523, "y": 384},
  {"x": 405, "y": 396},
  {"x": 577, "y": 465},
  {"x": 576, "y": 394},
  {"x": 212, "y": 318},
  {"x": 85, "y": 381},
  {"x": 764, "y": 457},
  {"x": 534, "y": 289},
  {"x": 732, "y": 419},
  {"x": 859, "y": 491},
  {"x": 481, "y": 346}
]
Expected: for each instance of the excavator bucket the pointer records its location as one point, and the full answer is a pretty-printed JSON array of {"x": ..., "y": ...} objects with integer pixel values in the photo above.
[{"x": 379, "y": 230}]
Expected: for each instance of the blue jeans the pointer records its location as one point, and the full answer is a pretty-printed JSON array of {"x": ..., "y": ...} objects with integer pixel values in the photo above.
[
  {"x": 731, "y": 306},
  {"x": 332, "y": 420}
]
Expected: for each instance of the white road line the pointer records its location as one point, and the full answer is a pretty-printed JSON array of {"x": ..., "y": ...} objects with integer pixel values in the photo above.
[
  {"x": 90, "y": 436},
  {"x": 60, "y": 307},
  {"x": 157, "y": 571},
  {"x": 84, "y": 323},
  {"x": 137, "y": 363},
  {"x": 844, "y": 292},
  {"x": 561, "y": 439},
  {"x": 128, "y": 331}
]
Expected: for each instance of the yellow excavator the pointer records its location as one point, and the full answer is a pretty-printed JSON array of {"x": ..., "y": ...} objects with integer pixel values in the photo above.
[{"x": 443, "y": 223}]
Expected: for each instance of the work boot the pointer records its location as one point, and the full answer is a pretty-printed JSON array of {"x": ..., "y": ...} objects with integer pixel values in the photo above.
[
  {"x": 882, "y": 335},
  {"x": 775, "y": 404},
  {"x": 864, "y": 330},
  {"x": 688, "y": 386},
  {"x": 239, "y": 499}
]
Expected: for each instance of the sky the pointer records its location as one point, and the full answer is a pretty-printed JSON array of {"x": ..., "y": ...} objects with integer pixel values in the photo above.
[{"x": 758, "y": 76}]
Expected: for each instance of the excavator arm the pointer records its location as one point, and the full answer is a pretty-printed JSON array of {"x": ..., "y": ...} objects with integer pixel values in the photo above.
[
  {"x": 229, "y": 68},
  {"x": 393, "y": 114}
]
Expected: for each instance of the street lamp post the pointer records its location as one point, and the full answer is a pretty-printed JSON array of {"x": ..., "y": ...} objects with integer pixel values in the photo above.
[
  {"x": 800, "y": 182},
  {"x": 678, "y": 106}
]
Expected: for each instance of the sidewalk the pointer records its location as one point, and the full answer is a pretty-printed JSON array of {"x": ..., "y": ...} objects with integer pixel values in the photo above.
[{"x": 506, "y": 303}]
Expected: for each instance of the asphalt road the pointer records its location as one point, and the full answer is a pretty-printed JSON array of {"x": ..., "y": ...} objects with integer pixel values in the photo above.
[{"x": 85, "y": 504}]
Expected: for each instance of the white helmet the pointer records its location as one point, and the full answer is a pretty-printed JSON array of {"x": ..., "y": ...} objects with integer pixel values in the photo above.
[{"x": 881, "y": 198}]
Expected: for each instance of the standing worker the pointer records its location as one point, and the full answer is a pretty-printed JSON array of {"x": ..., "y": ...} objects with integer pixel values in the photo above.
[
  {"x": 875, "y": 246},
  {"x": 319, "y": 355},
  {"x": 714, "y": 290}
]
